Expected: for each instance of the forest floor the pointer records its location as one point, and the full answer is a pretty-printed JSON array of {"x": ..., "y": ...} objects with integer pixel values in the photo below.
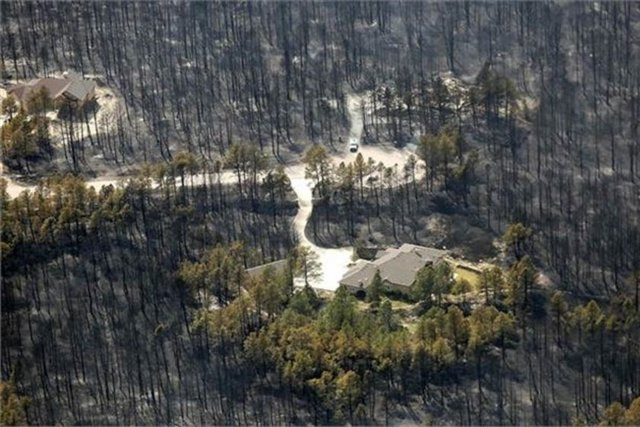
[{"x": 104, "y": 113}]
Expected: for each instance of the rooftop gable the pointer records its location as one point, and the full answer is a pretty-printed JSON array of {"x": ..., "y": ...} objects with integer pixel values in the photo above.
[
  {"x": 73, "y": 86},
  {"x": 401, "y": 268},
  {"x": 398, "y": 266}
]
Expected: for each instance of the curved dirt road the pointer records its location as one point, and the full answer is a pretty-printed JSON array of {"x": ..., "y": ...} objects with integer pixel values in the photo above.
[{"x": 333, "y": 262}]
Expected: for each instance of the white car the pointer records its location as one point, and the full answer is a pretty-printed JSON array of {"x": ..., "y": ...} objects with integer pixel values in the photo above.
[{"x": 353, "y": 146}]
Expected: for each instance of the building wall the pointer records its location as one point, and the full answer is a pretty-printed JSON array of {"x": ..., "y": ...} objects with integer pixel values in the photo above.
[
  {"x": 353, "y": 289},
  {"x": 385, "y": 284},
  {"x": 396, "y": 287}
]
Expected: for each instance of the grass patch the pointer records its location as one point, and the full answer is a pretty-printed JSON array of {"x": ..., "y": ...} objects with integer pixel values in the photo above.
[
  {"x": 401, "y": 305},
  {"x": 464, "y": 270},
  {"x": 464, "y": 273}
]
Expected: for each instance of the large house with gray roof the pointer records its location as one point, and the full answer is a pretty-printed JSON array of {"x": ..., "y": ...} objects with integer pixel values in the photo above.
[{"x": 398, "y": 267}]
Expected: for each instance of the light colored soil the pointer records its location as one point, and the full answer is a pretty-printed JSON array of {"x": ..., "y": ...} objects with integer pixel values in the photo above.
[
  {"x": 388, "y": 155},
  {"x": 333, "y": 262},
  {"x": 108, "y": 110}
]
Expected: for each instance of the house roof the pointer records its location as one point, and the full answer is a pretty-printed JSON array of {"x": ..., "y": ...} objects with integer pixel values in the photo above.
[
  {"x": 277, "y": 266},
  {"x": 360, "y": 275},
  {"x": 79, "y": 89},
  {"x": 73, "y": 87},
  {"x": 18, "y": 91},
  {"x": 397, "y": 266},
  {"x": 400, "y": 268},
  {"x": 55, "y": 87},
  {"x": 429, "y": 254}
]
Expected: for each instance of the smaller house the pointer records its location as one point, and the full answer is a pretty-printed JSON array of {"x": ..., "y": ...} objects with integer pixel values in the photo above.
[
  {"x": 398, "y": 267},
  {"x": 71, "y": 88},
  {"x": 277, "y": 267}
]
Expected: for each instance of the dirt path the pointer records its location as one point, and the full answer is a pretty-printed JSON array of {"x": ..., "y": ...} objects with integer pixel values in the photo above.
[
  {"x": 333, "y": 262},
  {"x": 14, "y": 188},
  {"x": 388, "y": 155}
]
